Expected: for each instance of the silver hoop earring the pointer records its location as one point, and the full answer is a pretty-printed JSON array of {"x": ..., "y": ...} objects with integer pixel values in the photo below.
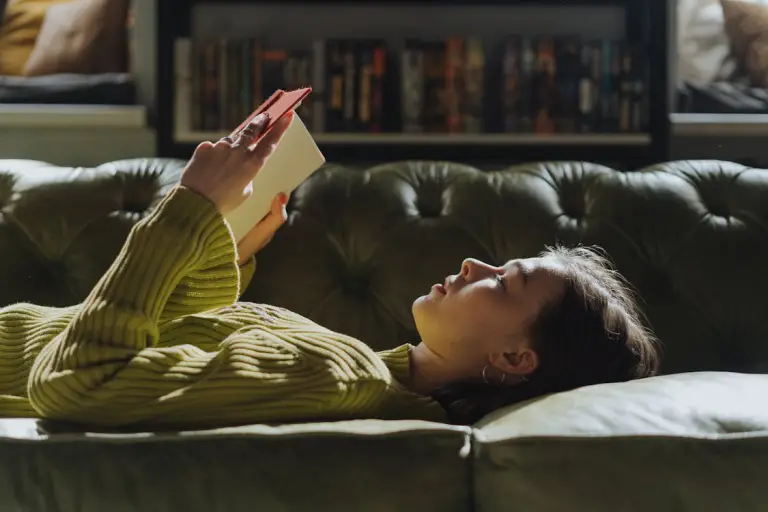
[{"x": 485, "y": 377}]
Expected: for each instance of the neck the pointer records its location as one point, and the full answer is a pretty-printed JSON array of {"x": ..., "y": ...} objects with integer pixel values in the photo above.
[{"x": 429, "y": 371}]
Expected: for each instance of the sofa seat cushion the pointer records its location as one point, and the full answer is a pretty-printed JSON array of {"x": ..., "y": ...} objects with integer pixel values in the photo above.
[
  {"x": 694, "y": 441},
  {"x": 354, "y": 465}
]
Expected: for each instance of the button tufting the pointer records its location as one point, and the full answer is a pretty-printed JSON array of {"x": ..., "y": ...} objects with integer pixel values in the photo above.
[
  {"x": 429, "y": 206},
  {"x": 714, "y": 189},
  {"x": 429, "y": 199},
  {"x": 572, "y": 200},
  {"x": 140, "y": 190},
  {"x": 356, "y": 283},
  {"x": 352, "y": 259},
  {"x": 717, "y": 207}
]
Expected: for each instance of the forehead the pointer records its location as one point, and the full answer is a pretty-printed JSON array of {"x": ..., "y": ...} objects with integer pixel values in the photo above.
[
  {"x": 540, "y": 264},
  {"x": 545, "y": 279}
]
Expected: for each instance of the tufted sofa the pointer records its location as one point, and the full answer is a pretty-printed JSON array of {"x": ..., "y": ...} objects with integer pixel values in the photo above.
[{"x": 360, "y": 245}]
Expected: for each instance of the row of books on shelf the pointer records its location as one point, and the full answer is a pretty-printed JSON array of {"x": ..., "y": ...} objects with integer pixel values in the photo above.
[{"x": 536, "y": 85}]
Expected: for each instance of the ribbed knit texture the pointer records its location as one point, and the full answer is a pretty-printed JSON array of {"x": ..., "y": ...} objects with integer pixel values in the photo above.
[{"x": 161, "y": 341}]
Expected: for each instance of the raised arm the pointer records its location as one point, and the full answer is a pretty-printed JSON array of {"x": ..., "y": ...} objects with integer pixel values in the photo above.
[
  {"x": 216, "y": 272},
  {"x": 108, "y": 347}
]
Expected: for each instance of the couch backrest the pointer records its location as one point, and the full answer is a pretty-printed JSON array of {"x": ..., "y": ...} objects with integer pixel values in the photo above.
[{"x": 361, "y": 245}]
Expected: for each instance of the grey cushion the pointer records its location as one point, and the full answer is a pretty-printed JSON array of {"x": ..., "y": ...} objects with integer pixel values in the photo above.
[
  {"x": 356, "y": 465},
  {"x": 692, "y": 441}
]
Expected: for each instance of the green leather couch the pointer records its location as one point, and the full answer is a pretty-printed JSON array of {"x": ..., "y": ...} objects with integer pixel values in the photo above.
[{"x": 359, "y": 247}]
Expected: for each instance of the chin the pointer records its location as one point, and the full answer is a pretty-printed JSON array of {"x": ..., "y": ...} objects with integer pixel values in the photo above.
[
  {"x": 421, "y": 304},
  {"x": 421, "y": 309},
  {"x": 416, "y": 307}
]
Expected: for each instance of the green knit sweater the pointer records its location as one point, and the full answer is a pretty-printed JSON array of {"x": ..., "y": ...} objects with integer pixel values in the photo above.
[{"x": 161, "y": 341}]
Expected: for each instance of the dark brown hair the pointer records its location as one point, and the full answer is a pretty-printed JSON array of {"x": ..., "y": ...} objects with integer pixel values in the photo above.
[{"x": 594, "y": 332}]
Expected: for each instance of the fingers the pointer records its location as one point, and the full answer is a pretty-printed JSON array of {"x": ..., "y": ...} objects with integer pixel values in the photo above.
[
  {"x": 266, "y": 146},
  {"x": 278, "y": 204},
  {"x": 202, "y": 150},
  {"x": 203, "y": 146},
  {"x": 263, "y": 232},
  {"x": 251, "y": 131},
  {"x": 277, "y": 214}
]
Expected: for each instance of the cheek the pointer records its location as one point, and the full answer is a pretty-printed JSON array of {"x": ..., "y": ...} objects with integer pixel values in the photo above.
[
  {"x": 483, "y": 317},
  {"x": 465, "y": 315}
]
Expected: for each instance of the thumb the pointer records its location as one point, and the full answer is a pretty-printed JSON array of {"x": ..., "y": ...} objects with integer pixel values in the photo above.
[{"x": 262, "y": 233}]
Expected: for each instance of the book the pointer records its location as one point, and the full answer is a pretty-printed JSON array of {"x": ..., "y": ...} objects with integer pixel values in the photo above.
[{"x": 294, "y": 160}]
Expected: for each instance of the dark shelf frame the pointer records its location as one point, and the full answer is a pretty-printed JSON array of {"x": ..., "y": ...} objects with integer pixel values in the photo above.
[{"x": 645, "y": 20}]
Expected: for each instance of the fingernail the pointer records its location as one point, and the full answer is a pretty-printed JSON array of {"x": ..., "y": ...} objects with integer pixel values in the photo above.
[{"x": 262, "y": 118}]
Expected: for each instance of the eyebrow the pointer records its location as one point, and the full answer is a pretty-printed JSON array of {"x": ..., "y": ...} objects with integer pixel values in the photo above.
[{"x": 524, "y": 271}]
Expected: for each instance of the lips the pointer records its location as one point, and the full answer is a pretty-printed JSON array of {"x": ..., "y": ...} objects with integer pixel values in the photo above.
[{"x": 439, "y": 288}]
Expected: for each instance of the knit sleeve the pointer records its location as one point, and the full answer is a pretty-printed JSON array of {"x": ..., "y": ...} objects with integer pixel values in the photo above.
[
  {"x": 215, "y": 278},
  {"x": 214, "y": 282},
  {"x": 107, "y": 367},
  {"x": 178, "y": 259}
]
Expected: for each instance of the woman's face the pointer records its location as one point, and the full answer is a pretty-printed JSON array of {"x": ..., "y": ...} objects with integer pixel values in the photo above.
[{"x": 485, "y": 310}]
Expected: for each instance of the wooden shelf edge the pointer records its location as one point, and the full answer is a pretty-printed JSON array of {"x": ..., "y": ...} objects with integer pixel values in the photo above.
[{"x": 419, "y": 139}]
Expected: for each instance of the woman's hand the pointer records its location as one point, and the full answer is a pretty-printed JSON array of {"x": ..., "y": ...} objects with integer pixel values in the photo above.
[
  {"x": 263, "y": 232},
  {"x": 223, "y": 172}
]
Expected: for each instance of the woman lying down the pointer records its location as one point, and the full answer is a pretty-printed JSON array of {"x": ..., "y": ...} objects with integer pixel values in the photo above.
[{"x": 161, "y": 342}]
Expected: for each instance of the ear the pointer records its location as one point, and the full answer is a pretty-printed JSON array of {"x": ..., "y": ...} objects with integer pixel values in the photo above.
[{"x": 523, "y": 361}]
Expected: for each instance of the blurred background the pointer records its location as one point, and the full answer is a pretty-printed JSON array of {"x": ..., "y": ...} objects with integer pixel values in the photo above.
[{"x": 622, "y": 82}]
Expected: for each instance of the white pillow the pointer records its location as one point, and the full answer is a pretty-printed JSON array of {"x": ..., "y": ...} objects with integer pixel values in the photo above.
[{"x": 702, "y": 45}]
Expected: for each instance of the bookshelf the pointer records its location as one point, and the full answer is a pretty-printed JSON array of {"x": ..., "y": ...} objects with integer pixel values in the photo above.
[{"x": 493, "y": 140}]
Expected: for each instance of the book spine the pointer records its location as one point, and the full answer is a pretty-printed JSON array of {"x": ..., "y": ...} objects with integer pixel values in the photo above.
[
  {"x": 545, "y": 88},
  {"x": 568, "y": 77},
  {"x": 319, "y": 90},
  {"x": 412, "y": 90},
  {"x": 639, "y": 89},
  {"x": 434, "y": 85},
  {"x": 379, "y": 72},
  {"x": 303, "y": 78},
  {"x": 625, "y": 90},
  {"x": 454, "y": 84},
  {"x": 527, "y": 82},
  {"x": 183, "y": 77},
  {"x": 474, "y": 87},
  {"x": 273, "y": 70},
  {"x": 335, "y": 86},
  {"x": 510, "y": 85},
  {"x": 520, "y": 84},
  {"x": 365, "y": 86},
  {"x": 596, "y": 74},
  {"x": 588, "y": 89},
  {"x": 350, "y": 67}
]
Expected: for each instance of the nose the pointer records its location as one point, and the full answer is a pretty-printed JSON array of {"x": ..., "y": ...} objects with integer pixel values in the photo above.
[{"x": 472, "y": 269}]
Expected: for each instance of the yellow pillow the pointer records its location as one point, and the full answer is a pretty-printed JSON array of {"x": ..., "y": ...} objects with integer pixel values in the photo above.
[{"x": 18, "y": 33}]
